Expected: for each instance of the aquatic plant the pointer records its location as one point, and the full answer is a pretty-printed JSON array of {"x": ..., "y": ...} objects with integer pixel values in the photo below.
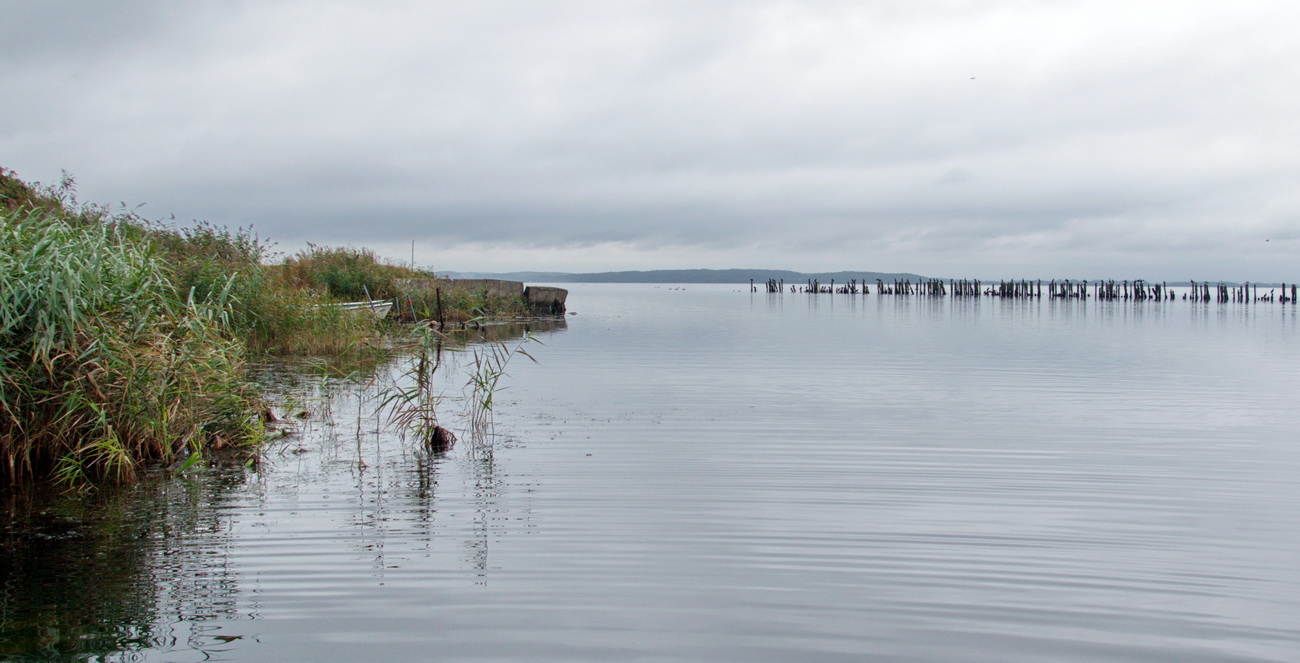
[
  {"x": 122, "y": 340},
  {"x": 102, "y": 367},
  {"x": 412, "y": 403},
  {"x": 489, "y": 366},
  {"x": 265, "y": 310}
]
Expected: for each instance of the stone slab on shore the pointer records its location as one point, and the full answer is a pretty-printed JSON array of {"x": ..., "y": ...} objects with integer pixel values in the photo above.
[{"x": 545, "y": 299}]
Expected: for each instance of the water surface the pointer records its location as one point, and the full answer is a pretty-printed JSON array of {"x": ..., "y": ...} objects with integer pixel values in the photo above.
[{"x": 698, "y": 473}]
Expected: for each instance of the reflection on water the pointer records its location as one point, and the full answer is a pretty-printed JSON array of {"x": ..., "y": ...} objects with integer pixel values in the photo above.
[
  {"x": 508, "y": 330},
  {"x": 116, "y": 573},
  {"x": 123, "y": 570},
  {"x": 704, "y": 474}
]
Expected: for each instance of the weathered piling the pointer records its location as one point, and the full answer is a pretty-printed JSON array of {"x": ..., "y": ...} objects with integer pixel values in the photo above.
[
  {"x": 1067, "y": 289},
  {"x": 1137, "y": 290}
]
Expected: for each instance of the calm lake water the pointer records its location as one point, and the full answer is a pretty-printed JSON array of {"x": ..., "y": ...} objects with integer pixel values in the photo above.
[{"x": 698, "y": 473}]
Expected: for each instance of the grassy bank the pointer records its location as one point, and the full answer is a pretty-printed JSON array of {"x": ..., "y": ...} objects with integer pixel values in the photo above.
[
  {"x": 102, "y": 366},
  {"x": 460, "y": 306},
  {"x": 123, "y": 341},
  {"x": 269, "y": 311}
]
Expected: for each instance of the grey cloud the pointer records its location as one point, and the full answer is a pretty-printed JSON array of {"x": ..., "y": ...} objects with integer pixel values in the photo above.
[{"x": 964, "y": 134}]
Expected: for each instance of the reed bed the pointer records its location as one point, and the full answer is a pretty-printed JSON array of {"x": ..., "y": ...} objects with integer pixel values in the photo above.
[
  {"x": 345, "y": 273},
  {"x": 123, "y": 341},
  {"x": 102, "y": 367},
  {"x": 267, "y": 310}
]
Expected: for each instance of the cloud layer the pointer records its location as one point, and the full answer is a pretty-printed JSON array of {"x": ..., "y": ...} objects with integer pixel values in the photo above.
[{"x": 979, "y": 138}]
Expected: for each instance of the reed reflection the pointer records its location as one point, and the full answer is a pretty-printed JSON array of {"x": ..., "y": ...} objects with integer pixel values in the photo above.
[
  {"x": 104, "y": 575},
  {"x": 112, "y": 574}
]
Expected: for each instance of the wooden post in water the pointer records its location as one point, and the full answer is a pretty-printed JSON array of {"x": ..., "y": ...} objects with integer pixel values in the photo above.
[{"x": 437, "y": 294}]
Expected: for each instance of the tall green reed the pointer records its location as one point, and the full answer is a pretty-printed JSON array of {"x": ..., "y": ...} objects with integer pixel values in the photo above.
[
  {"x": 345, "y": 273},
  {"x": 412, "y": 402},
  {"x": 103, "y": 368},
  {"x": 268, "y": 312},
  {"x": 484, "y": 378}
]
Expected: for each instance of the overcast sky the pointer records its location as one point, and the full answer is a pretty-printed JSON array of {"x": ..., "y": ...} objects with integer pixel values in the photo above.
[{"x": 958, "y": 138}]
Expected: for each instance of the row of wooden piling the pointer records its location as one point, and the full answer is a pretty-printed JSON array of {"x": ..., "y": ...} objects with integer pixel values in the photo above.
[{"x": 1111, "y": 290}]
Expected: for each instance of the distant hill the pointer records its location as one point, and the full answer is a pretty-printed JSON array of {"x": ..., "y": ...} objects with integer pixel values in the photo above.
[
  {"x": 741, "y": 276},
  {"x": 689, "y": 276}
]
